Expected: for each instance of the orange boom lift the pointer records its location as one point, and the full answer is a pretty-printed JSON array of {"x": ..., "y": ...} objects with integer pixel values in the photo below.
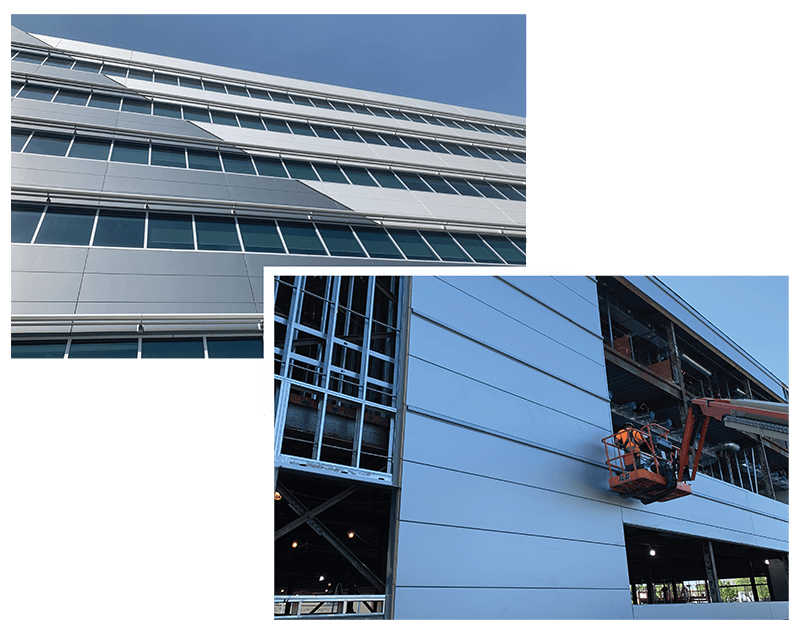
[{"x": 661, "y": 471}]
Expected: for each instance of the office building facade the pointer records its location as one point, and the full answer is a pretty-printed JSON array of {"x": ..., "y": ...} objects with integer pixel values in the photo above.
[
  {"x": 148, "y": 194},
  {"x": 439, "y": 454}
]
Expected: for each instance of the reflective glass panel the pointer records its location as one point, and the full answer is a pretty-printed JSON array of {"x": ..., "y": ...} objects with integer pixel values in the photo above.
[
  {"x": 454, "y": 149},
  {"x": 250, "y": 121},
  {"x": 371, "y": 137},
  {"x": 119, "y": 229},
  {"x": 301, "y": 238},
  {"x": 361, "y": 109},
  {"x": 462, "y": 187},
  {"x": 130, "y": 104},
  {"x": 269, "y": 166},
  {"x": 412, "y": 181},
  {"x": 216, "y": 233},
  {"x": 127, "y": 152},
  {"x": 473, "y": 151},
  {"x": 165, "y": 231},
  {"x": 89, "y": 67},
  {"x": 40, "y": 93},
  {"x": 280, "y": 97},
  {"x": 260, "y": 236},
  {"x": 38, "y": 350},
  {"x": 377, "y": 243},
  {"x": 322, "y": 103},
  {"x": 301, "y": 128},
  {"x": 302, "y": 101},
  {"x": 168, "y": 156},
  {"x": 18, "y": 138},
  {"x": 213, "y": 86},
  {"x": 386, "y": 179},
  {"x": 412, "y": 245},
  {"x": 507, "y": 251},
  {"x": 65, "y": 225},
  {"x": 235, "y": 347},
  {"x": 139, "y": 73},
  {"x": 414, "y": 144},
  {"x": 175, "y": 348},
  {"x": 330, "y": 173},
  {"x": 445, "y": 246},
  {"x": 301, "y": 169},
  {"x": 104, "y": 349},
  {"x": 191, "y": 82},
  {"x": 196, "y": 114},
  {"x": 392, "y": 140},
  {"x": 257, "y": 93},
  {"x": 166, "y": 110},
  {"x": 477, "y": 249},
  {"x": 520, "y": 242},
  {"x": 236, "y": 90},
  {"x": 24, "y": 220},
  {"x": 90, "y": 148},
  {"x": 74, "y": 97},
  {"x": 172, "y": 80},
  {"x": 48, "y": 143},
  {"x": 325, "y": 132},
  {"x": 276, "y": 125},
  {"x": 203, "y": 160},
  {"x": 486, "y": 189},
  {"x": 340, "y": 240},
  {"x": 436, "y": 147},
  {"x": 508, "y": 191},
  {"x": 114, "y": 71},
  {"x": 104, "y": 101},
  {"x": 224, "y": 118},
  {"x": 32, "y": 58},
  {"x": 359, "y": 176},
  {"x": 347, "y": 134},
  {"x": 15, "y": 86},
  {"x": 238, "y": 164}
]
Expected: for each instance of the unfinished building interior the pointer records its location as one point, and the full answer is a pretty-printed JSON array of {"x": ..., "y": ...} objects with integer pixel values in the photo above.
[{"x": 347, "y": 389}]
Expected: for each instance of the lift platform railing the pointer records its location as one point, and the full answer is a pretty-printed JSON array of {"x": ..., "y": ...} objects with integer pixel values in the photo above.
[
  {"x": 656, "y": 451},
  {"x": 327, "y": 606}
]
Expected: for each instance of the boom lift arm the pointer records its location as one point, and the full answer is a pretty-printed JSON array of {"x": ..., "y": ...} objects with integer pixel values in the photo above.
[{"x": 663, "y": 472}]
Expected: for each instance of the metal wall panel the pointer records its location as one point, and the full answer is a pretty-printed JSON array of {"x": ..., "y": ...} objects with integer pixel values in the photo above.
[
  {"x": 713, "y": 611},
  {"x": 51, "y": 286},
  {"x": 172, "y": 289},
  {"x": 502, "y": 464},
  {"x": 577, "y": 307}
]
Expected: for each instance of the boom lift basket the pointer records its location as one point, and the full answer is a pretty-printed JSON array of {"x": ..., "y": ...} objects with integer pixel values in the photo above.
[{"x": 649, "y": 475}]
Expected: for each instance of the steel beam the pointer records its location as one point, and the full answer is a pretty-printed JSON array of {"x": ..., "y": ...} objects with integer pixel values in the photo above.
[
  {"x": 638, "y": 371},
  {"x": 320, "y": 529},
  {"x": 315, "y": 511}
]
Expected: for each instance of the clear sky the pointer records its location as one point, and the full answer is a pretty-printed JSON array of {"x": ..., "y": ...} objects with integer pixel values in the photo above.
[
  {"x": 751, "y": 310},
  {"x": 465, "y": 60}
]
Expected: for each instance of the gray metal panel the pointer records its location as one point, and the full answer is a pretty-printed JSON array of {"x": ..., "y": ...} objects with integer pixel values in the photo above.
[
  {"x": 20, "y": 36},
  {"x": 165, "y": 181},
  {"x": 277, "y": 191},
  {"x": 512, "y": 603},
  {"x": 188, "y": 308},
  {"x": 63, "y": 113},
  {"x": 562, "y": 298},
  {"x": 498, "y": 451},
  {"x": 41, "y": 287},
  {"x": 48, "y": 258},
  {"x": 77, "y": 76},
  {"x": 54, "y": 172},
  {"x": 155, "y": 262},
  {"x": 162, "y": 125}
]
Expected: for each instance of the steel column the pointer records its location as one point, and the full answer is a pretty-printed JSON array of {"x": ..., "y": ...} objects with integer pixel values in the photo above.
[{"x": 711, "y": 572}]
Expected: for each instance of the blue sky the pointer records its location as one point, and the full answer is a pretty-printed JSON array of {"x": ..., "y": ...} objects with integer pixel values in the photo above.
[
  {"x": 751, "y": 310},
  {"x": 465, "y": 60}
]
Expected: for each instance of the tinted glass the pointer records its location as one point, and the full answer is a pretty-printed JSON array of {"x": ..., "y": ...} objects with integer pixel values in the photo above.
[
  {"x": 321, "y": 103},
  {"x": 89, "y": 67},
  {"x": 510, "y": 156},
  {"x": 119, "y": 229},
  {"x": 436, "y": 147},
  {"x": 477, "y": 249},
  {"x": 114, "y": 71},
  {"x": 301, "y": 128},
  {"x": 235, "y": 347},
  {"x": 48, "y": 143},
  {"x": 276, "y": 125},
  {"x": 104, "y": 101},
  {"x": 166, "y": 110},
  {"x": 89, "y": 148},
  {"x": 340, "y": 240},
  {"x": 520, "y": 189},
  {"x": 213, "y": 86},
  {"x": 224, "y": 118},
  {"x": 520, "y": 242},
  {"x": 41, "y": 93},
  {"x": 203, "y": 160},
  {"x": 462, "y": 187},
  {"x": 74, "y": 97},
  {"x": 24, "y": 219},
  {"x": 396, "y": 114},
  {"x": 380, "y": 112},
  {"x": 415, "y": 117},
  {"x": 64, "y": 225},
  {"x": 196, "y": 114},
  {"x": 392, "y": 140},
  {"x": 414, "y": 144},
  {"x": 237, "y": 90},
  {"x": 433, "y": 120},
  {"x": 338, "y": 105},
  {"x": 359, "y": 176},
  {"x": 371, "y": 137},
  {"x": 301, "y": 238},
  {"x": 445, "y": 247},
  {"x": 126, "y": 152},
  {"x": 189, "y": 82},
  {"x": 137, "y": 73},
  {"x": 176, "y": 348},
  {"x": 386, "y": 179},
  {"x": 256, "y": 93},
  {"x": 301, "y": 169},
  {"x": 168, "y": 156},
  {"x": 32, "y": 58},
  {"x": 377, "y": 243},
  {"x": 361, "y": 109},
  {"x": 38, "y": 350},
  {"x": 281, "y": 97},
  {"x": 412, "y": 244},
  {"x": 507, "y": 251},
  {"x": 166, "y": 79},
  {"x": 169, "y": 232},
  {"x": 508, "y": 191},
  {"x": 302, "y": 101},
  {"x": 486, "y": 189},
  {"x": 330, "y": 173},
  {"x": 473, "y": 151},
  {"x": 260, "y": 236},
  {"x": 142, "y": 106},
  {"x": 492, "y": 154},
  {"x": 104, "y": 349},
  {"x": 412, "y": 181},
  {"x": 349, "y": 135},
  {"x": 18, "y": 138},
  {"x": 454, "y": 149},
  {"x": 250, "y": 121},
  {"x": 216, "y": 234},
  {"x": 238, "y": 164},
  {"x": 325, "y": 132},
  {"x": 269, "y": 166},
  {"x": 15, "y": 86}
]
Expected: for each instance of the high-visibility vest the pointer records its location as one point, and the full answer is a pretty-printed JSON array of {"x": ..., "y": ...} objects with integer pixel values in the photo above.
[{"x": 629, "y": 439}]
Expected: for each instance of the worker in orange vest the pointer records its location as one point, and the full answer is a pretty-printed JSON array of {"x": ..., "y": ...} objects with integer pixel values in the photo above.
[{"x": 629, "y": 439}]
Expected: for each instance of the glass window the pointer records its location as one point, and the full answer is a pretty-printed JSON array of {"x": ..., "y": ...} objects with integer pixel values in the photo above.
[
  {"x": 380, "y": 112},
  {"x": 340, "y": 240},
  {"x": 322, "y": 103},
  {"x": 89, "y": 67},
  {"x": 359, "y": 176},
  {"x": 281, "y": 97},
  {"x": 128, "y": 152},
  {"x": 454, "y": 149},
  {"x": 486, "y": 189},
  {"x": 445, "y": 246},
  {"x": 66, "y": 225},
  {"x": 130, "y": 104},
  {"x": 302, "y": 101},
  {"x": 90, "y": 148},
  {"x": 325, "y": 132},
  {"x": 235, "y": 347},
  {"x": 74, "y": 97},
  {"x": 167, "y": 231},
  {"x": 473, "y": 151},
  {"x": 276, "y": 125},
  {"x": 60, "y": 62},
  {"x": 140, "y": 73},
  {"x": 468, "y": 126},
  {"x": 462, "y": 186},
  {"x": 203, "y": 160},
  {"x": 507, "y": 251},
  {"x": 439, "y": 184},
  {"x": 257, "y": 93},
  {"x": 436, "y": 147},
  {"x": 24, "y": 220},
  {"x": 520, "y": 242},
  {"x": 239, "y": 91},
  {"x": 48, "y": 143},
  {"x": 510, "y": 156},
  {"x": 191, "y": 82},
  {"x": 301, "y": 169},
  {"x": 38, "y": 349},
  {"x": 301, "y": 238},
  {"x": 107, "y": 102},
  {"x": 377, "y": 243},
  {"x": 168, "y": 156},
  {"x": 250, "y": 121},
  {"x": 361, "y": 109},
  {"x": 449, "y": 123},
  {"x": 508, "y": 191},
  {"x": 15, "y": 86},
  {"x": 104, "y": 349},
  {"x": 414, "y": 144},
  {"x": 396, "y": 114},
  {"x": 415, "y": 117},
  {"x": 413, "y": 181},
  {"x": 330, "y": 173},
  {"x": 477, "y": 248},
  {"x": 433, "y": 120},
  {"x": 166, "y": 79},
  {"x": 386, "y": 179},
  {"x": 119, "y": 229},
  {"x": 40, "y": 93},
  {"x": 269, "y": 166},
  {"x": 213, "y": 86},
  {"x": 196, "y": 114},
  {"x": 166, "y": 110},
  {"x": 371, "y": 137},
  {"x": 32, "y": 58},
  {"x": 174, "y": 348},
  {"x": 338, "y": 105},
  {"x": 391, "y": 139},
  {"x": 18, "y": 138},
  {"x": 412, "y": 245},
  {"x": 114, "y": 71},
  {"x": 346, "y": 134},
  {"x": 216, "y": 233},
  {"x": 260, "y": 236},
  {"x": 301, "y": 128},
  {"x": 224, "y": 118},
  {"x": 493, "y": 154},
  {"x": 238, "y": 164}
]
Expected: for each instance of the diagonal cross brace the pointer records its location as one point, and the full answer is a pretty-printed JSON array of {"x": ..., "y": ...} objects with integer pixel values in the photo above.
[
  {"x": 304, "y": 517},
  {"x": 298, "y": 507}
]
